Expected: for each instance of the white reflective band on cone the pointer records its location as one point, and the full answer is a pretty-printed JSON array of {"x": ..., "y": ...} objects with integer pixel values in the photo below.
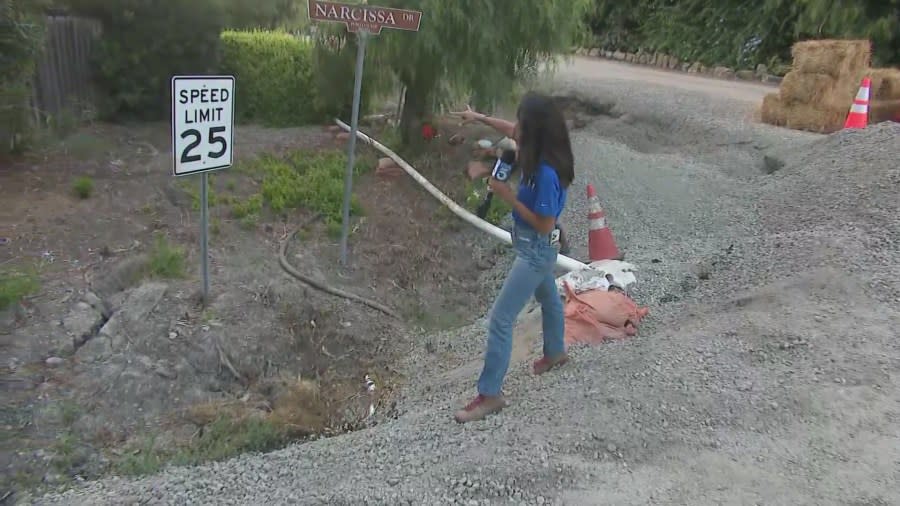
[{"x": 597, "y": 224}]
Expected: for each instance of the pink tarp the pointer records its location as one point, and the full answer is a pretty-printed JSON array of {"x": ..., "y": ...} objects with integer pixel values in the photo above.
[{"x": 595, "y": 316}]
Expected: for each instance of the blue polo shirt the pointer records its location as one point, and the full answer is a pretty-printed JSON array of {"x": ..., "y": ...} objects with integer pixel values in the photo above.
[{"x": 544, "y": 195}]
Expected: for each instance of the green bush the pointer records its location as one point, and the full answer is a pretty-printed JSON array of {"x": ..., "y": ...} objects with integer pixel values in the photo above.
[
  {"x": 313, "y": 181},
  {"x": 334, "y": 61},
  {"x": 21, "y": 37},
  {"x": 273, "y": 77},
  {"x": 166, "y": 260},
  {"x": 475, "y": 194},
  {"x": 15, "y": 285},
  {"x": 83, "y": 187},
  {"x": 250, "y": 207},
  {"x": 145, "y": 43}
]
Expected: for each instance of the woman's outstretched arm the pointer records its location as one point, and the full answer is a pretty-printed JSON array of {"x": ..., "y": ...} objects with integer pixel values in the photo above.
[{"x": 507, "y": 128}]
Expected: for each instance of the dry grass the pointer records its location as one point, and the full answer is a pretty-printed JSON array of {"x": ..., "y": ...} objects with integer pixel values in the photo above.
[
  {"x": 300, "y": 410},
  {"x": 841, "y": 59},
  {"x": 294, "y": 406}
]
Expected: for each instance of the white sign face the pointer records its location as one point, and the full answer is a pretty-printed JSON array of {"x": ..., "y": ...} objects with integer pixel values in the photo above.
[{"x": 202, "y": 123}]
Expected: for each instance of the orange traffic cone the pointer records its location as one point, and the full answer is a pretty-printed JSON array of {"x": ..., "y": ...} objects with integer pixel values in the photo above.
[
  {"x": 859, "y": 111},
  {"x": 601, "y": 244}
]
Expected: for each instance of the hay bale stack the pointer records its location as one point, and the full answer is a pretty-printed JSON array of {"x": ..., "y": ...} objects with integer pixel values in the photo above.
[
  {"x": 773, "y": 111},
  {"x": 813, "y": 88},
  {"x": 800, "y": 116},
  {"x": 837, "y": 58},
  {"x": 885, "y": 95},
  {"x": 884, "y": 110},
  {"x": 885, "y": 84},
  {"x": 815, "y": 119},
  {"x": 817, "y": 93}
]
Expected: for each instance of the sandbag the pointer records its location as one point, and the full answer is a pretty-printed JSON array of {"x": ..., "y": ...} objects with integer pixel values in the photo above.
[{"x": 597, "y": 316}]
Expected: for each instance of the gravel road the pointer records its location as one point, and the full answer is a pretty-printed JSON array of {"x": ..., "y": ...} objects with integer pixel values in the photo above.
[{"x": 767, "y": 372}]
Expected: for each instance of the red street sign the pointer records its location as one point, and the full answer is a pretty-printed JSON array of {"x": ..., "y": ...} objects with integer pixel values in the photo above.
[{"x": 365, "y": 18}]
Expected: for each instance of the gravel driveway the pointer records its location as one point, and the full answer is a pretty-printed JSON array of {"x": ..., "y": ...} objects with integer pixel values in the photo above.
[{"x": 767, "y": 372}]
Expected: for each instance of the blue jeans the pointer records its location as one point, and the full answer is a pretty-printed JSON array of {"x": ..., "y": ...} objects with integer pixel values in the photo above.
[{"x": 531, "y": 274}]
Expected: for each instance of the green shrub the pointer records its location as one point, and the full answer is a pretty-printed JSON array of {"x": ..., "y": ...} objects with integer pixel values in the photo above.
[
  {"x": 191, "y": 187},
  {"x": 334, "y": 61},
  {"x": 21, "y": 37},
  {"x": 221, "y": 439},
  {"x": 475, "y": 194},
  {"x": 144, "y": 44},
  {"x": 83, "y": 187},
  {"x": 313, "y": 181},
  {"x": 251, "y": 206},
  {"x": 14, "y": 285},
  {"x": 273, "y": 77},
  {"x": 166, "y": 260}
]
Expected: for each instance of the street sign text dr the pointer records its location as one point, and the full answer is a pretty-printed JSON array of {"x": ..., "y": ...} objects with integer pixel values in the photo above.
[
  {"x": 202, "y": 123},
  {"x": 365, "y": 18}
]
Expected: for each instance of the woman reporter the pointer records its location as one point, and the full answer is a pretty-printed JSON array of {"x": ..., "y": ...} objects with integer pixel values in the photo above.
[{"x": 547, "y": 169}]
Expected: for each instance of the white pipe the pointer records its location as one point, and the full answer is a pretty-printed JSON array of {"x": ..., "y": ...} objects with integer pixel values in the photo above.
[{"x": 569, "y": 264}]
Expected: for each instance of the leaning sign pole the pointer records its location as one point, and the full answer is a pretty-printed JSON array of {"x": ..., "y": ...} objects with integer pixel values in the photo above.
[{"x": 364, "y": 20}]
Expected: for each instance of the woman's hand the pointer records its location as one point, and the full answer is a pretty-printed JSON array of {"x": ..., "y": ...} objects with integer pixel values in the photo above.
[
  {"x": 503, "y": 191},
  {"x": 468, "y": 116}
]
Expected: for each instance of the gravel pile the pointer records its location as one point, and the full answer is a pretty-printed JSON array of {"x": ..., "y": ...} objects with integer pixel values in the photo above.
[{"x": 767, "y": 372}]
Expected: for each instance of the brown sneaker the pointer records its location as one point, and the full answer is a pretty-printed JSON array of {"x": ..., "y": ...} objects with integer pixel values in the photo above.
[
  {"x": 546, "y": 363},
  {"x": 479, "y": 408}
]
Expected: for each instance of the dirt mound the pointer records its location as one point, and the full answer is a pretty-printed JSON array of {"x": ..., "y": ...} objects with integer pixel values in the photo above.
[
  {"x": 836, "y": 200},
  {"x": 848, "y": 178}
]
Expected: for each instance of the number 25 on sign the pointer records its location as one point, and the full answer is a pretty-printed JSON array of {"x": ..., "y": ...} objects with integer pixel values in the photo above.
[{"x": 202, "y": 139}]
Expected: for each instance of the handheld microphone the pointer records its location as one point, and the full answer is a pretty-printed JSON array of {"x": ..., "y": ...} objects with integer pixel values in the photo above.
[{"x": 502, "y": 170}]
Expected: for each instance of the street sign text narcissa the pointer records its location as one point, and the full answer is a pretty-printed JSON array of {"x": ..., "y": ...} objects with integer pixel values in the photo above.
[{"x": 365, "y": 18}]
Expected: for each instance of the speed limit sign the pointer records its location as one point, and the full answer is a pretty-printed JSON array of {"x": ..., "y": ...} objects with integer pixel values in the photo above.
[{"x": 202, "y": 123}]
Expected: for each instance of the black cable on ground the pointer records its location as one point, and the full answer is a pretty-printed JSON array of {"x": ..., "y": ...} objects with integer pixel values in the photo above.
[{"x": 318, "y": 285}]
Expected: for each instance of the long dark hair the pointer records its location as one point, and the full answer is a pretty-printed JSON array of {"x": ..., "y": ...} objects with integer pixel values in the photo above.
[{"x": 543, "y": 136}]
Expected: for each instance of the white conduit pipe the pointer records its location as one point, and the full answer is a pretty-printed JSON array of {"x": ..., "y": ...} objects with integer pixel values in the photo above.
[{"x": 569, "y": 264}]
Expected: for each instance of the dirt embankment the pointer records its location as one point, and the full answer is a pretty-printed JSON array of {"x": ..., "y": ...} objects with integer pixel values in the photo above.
[{"x": 111, "y": 363}]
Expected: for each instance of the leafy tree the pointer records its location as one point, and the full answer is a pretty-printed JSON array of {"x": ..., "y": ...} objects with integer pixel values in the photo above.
[
  {"x": 21, "y": 38},
  {"x": 145, "y": 43},
  {"x": 266, "y": 14},
  {"x": 743, "y": 33},
  {"x": 878, "y": 20},
  {"x": 477, "y": 46}
]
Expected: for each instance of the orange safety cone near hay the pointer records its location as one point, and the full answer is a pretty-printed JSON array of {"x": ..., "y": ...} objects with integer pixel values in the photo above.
[
  {"x": 601, "y": 244},
  {"x": 859, "y": 111}
]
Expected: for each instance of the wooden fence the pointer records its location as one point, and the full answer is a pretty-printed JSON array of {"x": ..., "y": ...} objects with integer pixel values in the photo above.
[{"x": 62, "y": 79}]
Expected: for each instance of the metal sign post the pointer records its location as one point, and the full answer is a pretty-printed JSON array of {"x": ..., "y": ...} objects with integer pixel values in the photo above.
[
  {"x": 365, "y": 20},
  {"x": 362, "y": 38},
  {"x": 202, "y": 140}
]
